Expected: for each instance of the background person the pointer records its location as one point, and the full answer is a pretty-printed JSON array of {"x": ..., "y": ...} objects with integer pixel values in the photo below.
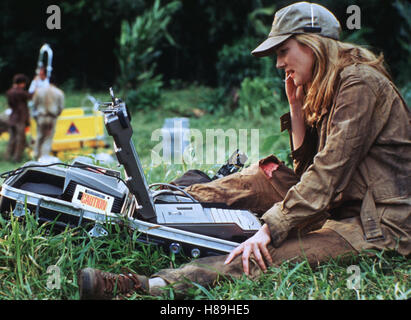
[
  {"x": 351, "y": 146},
  {"x": 39, "y": 81},
  {"x": 17, "y": 98},
  {"x": 48, "y": 103}
]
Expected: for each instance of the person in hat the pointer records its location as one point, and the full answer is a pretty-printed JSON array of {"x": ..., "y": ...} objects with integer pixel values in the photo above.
[{"x": 350, "y": 189}]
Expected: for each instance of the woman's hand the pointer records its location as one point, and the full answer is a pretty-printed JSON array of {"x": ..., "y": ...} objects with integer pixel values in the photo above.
[
  {"x": 295, "y": 97},
  {"x": 295, "y": 94},
  {"x": 256, "y": 245}
]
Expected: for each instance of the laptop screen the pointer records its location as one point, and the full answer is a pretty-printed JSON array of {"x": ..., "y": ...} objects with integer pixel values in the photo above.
[{"x": 118, "y": 126}]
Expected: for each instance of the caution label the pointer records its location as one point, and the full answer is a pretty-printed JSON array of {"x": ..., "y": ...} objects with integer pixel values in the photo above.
[
  {"x": 93, "y": 200},
  {"x": 72, "y": 129}
]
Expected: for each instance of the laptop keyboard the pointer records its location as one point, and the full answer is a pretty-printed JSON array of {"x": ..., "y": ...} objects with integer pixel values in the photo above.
[
  {"x": 196, "y": 214},
  {"x": 241, "y": 217}
]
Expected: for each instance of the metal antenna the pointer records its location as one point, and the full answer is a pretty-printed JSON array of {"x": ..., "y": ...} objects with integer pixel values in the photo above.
[{"x": 112, "y": 96}]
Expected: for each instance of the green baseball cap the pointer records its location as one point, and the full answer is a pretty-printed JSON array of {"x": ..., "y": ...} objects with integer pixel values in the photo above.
[{"x": 300, "y": 17}]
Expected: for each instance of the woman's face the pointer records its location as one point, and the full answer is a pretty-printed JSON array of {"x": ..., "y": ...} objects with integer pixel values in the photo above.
[{"x": 297, "y": 60}]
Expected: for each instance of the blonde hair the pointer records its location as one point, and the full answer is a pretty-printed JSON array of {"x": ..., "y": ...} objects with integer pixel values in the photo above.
[{"x": 331, "y": 57}]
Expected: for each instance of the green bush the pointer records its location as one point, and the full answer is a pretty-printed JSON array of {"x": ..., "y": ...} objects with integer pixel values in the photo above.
[
  {"x": 214, "y": 101},
  {"x": 260, "y": 96},
  {"x": 138, "y": 51},
  {"x": 147, "y": 95},
  {"x": 235, "y": 63}
]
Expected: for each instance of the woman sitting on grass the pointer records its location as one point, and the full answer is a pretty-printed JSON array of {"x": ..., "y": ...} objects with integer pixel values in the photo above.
[{"x": 350, "y": 189}]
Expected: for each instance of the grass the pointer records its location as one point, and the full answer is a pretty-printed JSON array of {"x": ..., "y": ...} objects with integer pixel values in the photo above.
[{"x": 27, "y": 250}]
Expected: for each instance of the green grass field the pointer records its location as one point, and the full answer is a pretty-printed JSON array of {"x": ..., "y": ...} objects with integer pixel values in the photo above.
[{"x": 29, "y": 252}]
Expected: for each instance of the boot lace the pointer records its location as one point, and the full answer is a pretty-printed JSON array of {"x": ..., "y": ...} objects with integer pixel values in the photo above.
[{"x": 120, "y": 283}]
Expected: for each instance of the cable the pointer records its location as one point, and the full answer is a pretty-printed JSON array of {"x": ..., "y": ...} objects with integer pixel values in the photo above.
[
  {"x": 156, "y": 194},
  {"x": 175, "y": 187},
  {"x": 8, "y": 174}
]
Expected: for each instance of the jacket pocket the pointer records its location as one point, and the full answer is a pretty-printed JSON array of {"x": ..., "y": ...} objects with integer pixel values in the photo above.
[{"x": 370, "y": 218}]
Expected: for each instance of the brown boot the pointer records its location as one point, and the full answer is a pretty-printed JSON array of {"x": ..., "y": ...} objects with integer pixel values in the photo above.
[{"x": 95, "y": 284}]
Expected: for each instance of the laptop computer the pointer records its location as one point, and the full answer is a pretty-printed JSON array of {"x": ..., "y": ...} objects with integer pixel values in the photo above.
[{"x": 177, "y": 210}]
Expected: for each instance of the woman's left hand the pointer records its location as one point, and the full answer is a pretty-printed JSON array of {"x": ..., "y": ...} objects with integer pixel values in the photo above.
[{"x": 256, "y": 245}]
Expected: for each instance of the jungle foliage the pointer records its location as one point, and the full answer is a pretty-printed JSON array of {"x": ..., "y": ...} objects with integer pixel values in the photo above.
[{"x": 204, "y": 33}]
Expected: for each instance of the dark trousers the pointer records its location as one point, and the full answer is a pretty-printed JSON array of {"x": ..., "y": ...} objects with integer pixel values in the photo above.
[{"x": 17, "y": 142}]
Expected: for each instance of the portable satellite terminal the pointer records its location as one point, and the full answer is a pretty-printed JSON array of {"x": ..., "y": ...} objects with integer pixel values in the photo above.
[{"x": 86, "y": 193}]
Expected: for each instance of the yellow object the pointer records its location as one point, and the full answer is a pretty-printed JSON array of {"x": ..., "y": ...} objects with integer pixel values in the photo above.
[
  {"x": 75, "y": 129},
  {"x": 4, "y": 136}
]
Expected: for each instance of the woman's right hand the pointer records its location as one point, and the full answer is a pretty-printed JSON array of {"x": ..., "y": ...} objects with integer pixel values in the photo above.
[
  {"x": 295, "y": 97},
  {"x": 295, "y": 94},
  {"x": 256, "y": 245}
]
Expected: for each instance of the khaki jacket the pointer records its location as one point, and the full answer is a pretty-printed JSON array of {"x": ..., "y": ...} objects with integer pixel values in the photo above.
[
  {"x": 48, "y": 101},
  {"x": 354, "y": 166}
]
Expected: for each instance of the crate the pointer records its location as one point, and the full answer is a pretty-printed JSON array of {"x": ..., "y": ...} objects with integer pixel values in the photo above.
[{"x": 75, "y": 129}]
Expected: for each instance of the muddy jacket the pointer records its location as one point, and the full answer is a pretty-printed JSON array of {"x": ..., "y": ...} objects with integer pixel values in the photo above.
[{"x": 355, "y": 166}]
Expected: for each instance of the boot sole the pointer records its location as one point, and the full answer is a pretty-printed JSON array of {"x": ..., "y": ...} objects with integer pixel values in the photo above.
[{"x": 86, "y": 284}]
